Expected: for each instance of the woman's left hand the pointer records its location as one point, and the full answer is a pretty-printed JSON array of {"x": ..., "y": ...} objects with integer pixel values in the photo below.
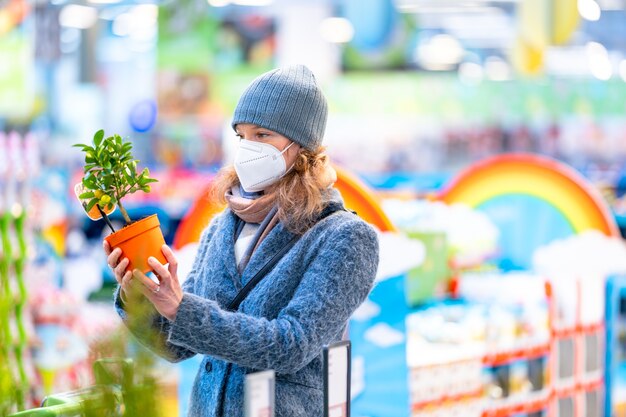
[{"x": 167, "y": 295}]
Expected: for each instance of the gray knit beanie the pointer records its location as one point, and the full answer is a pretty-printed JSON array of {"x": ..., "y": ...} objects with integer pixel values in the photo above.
[{"x": 287, "y": 101}]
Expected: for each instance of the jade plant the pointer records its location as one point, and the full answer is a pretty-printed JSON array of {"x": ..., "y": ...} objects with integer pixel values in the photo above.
[{"x": 110, "y": 174}]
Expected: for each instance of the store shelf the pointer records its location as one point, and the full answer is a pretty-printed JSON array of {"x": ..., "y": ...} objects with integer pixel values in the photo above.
[
  {"x": 575, "y": 330},
  {"x": 527, "y": 407},
  {"x": 447, "y": 399},
  {"x": 592, "y": 385},
  {"x": 505, "y": 357},
  {"x": 591, "y": 328}
]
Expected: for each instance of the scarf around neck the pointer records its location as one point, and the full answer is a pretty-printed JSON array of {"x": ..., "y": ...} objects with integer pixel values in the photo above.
[
  {"x": 261, "y": 209},
  {"x": 252, "y": 209}
]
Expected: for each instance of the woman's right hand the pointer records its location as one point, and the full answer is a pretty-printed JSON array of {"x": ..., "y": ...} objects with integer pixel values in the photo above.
[{"x": 122, "y": 276}]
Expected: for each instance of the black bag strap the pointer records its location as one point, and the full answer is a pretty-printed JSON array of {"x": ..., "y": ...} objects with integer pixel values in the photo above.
[{"x": 271, "y": 263}]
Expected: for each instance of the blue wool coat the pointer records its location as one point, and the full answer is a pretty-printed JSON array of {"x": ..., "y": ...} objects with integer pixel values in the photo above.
[{"x": 300, "y": 306}]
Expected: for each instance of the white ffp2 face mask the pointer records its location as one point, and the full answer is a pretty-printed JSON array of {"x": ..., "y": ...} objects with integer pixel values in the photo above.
[{"x": 259, "y": 165}]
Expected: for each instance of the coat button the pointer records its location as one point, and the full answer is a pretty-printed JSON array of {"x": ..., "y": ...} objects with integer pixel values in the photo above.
[{"x": 208, "y": 366}]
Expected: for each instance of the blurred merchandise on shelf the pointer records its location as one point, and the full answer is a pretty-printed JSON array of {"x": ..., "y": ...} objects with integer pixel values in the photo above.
[
  {"x": 537, "y": 337},
  {"x": 491, "y": 349},
  {"x": 460, "y": 124},
  {"x": 455, "y": 236},
  {"x": 66, "y": 331},
  {"x": 19, "y": 165},
  {"x": 18, "y": 70}
]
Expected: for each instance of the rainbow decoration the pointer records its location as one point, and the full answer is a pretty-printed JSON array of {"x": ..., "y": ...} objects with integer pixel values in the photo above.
[
  {"x": 356, "y": 196},
  {"x": 538, "y": 176},
  {"x": 197, "y": 218},
  {"x": 533, "y": 200}
]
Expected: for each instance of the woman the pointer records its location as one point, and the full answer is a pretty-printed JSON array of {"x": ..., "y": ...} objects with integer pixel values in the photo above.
[{"x": 279, "y": 189}]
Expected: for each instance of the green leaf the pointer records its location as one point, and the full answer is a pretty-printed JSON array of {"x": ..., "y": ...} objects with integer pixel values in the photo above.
[
  {"x": 89, "y": 182},
  {"x": 130, "y": 180},
  {"x": 150, "y": 180},
  {"x": 89, "y": 160},
  {"x": 79, "y": 145},
  {"x": 91, "y": 204},
  {"x": 97, "y": 138},
  {"x": 88, "y": 194}
]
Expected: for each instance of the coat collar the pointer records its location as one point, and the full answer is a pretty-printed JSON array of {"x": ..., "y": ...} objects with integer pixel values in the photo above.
[
  {"x": 227, "y": 248},
  {"x": 278, "y": 237}
]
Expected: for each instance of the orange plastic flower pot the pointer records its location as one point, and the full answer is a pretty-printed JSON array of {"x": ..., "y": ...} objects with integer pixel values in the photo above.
[{"x": 138, "y": 241}]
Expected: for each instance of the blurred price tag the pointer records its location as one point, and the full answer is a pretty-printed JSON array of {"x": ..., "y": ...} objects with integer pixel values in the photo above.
[{"x": 259, "y": 394}]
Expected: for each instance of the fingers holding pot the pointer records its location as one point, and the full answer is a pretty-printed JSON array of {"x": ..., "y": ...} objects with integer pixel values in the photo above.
[
  {"x": 120, "y": 269},
  {"x": 114, "y": 257}
]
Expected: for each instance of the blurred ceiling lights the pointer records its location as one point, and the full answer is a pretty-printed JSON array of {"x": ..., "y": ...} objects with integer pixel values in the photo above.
[
  {"x": 77, "y": 16},
  {"x": 448, "y": 6},
  {"x": 337, "y": 30},
  {"x": 439, "y": 53},
  {"x": 222, "y": 3},
  {"x": 477, "y": 30},
  {"x": 612, "y": 4},
  {"x": 568, "y": 61},
  {"x": 140, "y": 22},
  {"x": 471, "y": 73},
  {"x": 497, "y": 69},
  {"x": 104, "y": 1},
  {"x": 599, "y": 62},
  {"x": 111, "y": 12},
  {"x": 589, "y": 10}
]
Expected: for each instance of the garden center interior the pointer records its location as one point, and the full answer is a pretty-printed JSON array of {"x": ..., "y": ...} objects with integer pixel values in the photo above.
[{"x": 483, "y": 140}]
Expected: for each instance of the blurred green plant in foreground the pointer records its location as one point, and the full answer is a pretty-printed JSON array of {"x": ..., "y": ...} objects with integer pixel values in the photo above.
[{"x": 125, "y": 374}]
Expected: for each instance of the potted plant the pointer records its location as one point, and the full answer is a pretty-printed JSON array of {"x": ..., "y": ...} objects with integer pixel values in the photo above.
[{"x": 110, "y": 174}]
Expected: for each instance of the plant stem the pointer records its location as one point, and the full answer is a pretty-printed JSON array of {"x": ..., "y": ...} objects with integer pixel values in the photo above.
[
  {"x": 123, "y": 211},
  {"x": 19, "y": 307},
  {"x": 118, "y": 185}
]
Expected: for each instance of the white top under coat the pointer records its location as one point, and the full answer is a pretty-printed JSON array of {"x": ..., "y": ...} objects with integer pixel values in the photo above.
[{"x": 244, "y": 239}]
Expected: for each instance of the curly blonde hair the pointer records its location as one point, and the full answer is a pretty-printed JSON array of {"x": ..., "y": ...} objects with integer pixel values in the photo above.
[{"x": 299, "y": 194}]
